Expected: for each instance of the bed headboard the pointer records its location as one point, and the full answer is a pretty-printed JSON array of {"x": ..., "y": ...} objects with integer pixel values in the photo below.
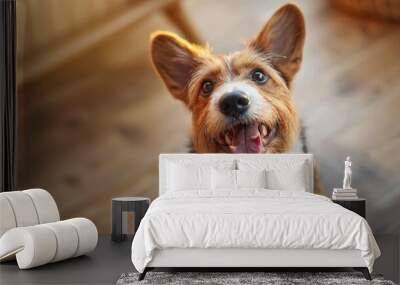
[{"x": 209, "y": 159}]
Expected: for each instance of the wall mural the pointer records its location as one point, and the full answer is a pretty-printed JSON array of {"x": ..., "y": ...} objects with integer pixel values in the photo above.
[{"x": 94, "y": 114}]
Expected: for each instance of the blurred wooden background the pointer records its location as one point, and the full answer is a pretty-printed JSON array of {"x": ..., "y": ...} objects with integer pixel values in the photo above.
[
  {"x": 92, "y": 125},
  {"x": 53, "y": 31}
]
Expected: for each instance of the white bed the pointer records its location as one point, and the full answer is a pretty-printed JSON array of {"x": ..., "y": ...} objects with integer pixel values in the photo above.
[{"x": 248, "y": 227}]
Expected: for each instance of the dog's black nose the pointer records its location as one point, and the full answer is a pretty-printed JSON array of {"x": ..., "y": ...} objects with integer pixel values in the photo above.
[{"x": 234, "y": 104}]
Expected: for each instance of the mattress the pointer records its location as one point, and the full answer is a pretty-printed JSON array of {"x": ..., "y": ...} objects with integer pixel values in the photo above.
[{"x": 250, "y": 219}]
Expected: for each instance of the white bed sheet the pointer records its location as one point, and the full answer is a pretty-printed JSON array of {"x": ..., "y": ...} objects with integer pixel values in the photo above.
[{"x": 252, "y": 218}]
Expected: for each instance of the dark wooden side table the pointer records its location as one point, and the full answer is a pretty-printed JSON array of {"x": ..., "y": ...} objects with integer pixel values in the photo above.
[
  {"x": 120, "y": 207},
  {"x": 358, "y": 206}
]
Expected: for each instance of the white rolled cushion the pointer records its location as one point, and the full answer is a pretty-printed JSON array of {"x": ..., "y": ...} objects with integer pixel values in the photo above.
[
  {"x": 46, "y": 207},
  {"x": 7, "y": 218},
  {"x": 67, "y": 240},
  {"x": 45, "y": 243},
  {"x": 26, "y": 208},
  {"x": 33, "y": 246},
  {"x": 251, "y": 178},
  {"x": 87, "y": 235},
  {"x": 23, "y": 208}
]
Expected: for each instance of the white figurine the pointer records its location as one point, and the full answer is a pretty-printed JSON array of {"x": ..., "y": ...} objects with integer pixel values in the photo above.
[{"x": 347, "y": 174}]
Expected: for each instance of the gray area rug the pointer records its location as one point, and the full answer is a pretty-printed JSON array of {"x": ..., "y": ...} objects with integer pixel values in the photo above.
[{"x": 232, "y": 278}]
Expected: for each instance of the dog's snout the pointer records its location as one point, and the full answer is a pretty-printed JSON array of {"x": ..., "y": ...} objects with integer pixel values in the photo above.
[{"x": 234, "y": 104}]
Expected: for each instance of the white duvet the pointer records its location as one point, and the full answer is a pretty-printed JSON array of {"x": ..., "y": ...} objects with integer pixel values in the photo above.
[{"x": 252, "y": 218}]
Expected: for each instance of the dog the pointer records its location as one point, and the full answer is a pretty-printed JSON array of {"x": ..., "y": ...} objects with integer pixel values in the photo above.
[{"x": 240, "y": 102}]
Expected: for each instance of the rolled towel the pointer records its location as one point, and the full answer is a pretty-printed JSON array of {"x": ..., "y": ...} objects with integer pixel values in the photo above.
[{"x": 40, "y": 244}]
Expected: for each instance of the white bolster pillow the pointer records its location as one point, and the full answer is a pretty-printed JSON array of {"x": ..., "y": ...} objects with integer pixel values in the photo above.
[{"x": 45, "y": 243}]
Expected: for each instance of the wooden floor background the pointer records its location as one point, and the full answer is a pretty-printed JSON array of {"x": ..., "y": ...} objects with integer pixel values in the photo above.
[{"x": 92, "y": 129}]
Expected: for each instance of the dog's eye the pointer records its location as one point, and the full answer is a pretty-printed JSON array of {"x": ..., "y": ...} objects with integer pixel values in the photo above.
[
  {"x": 207, "y": 87},
  {"x": 258, "y": 76}
]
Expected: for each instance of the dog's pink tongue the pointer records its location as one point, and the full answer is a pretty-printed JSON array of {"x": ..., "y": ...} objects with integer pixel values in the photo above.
[{"x": 247, "y": 139}]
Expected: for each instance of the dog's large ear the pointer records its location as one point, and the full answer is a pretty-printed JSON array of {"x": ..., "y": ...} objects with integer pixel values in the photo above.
[
  {"x": 175, "y": 60},
  {"x": 282, "y": 39}
]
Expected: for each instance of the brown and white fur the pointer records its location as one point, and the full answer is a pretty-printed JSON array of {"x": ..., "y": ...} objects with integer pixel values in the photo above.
[{"x": 239, "y": 102}]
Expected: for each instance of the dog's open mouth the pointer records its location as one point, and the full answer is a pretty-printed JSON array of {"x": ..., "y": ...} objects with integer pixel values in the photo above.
[{"x": 247, "y": 138}]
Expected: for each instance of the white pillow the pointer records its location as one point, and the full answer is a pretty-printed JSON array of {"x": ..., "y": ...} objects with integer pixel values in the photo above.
[
  {"x": 251, "y": 178},
  {"x": 291, "y": 178},
  {"x": 282, "y": 174},
  {"x": 227, "y": 179},
  {"x": 223, "y": 179},
  {"x": 188, "y": 177}
]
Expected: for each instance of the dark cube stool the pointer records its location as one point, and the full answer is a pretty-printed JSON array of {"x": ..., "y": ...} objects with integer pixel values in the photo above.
[{"x": 120, "y": 206}]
